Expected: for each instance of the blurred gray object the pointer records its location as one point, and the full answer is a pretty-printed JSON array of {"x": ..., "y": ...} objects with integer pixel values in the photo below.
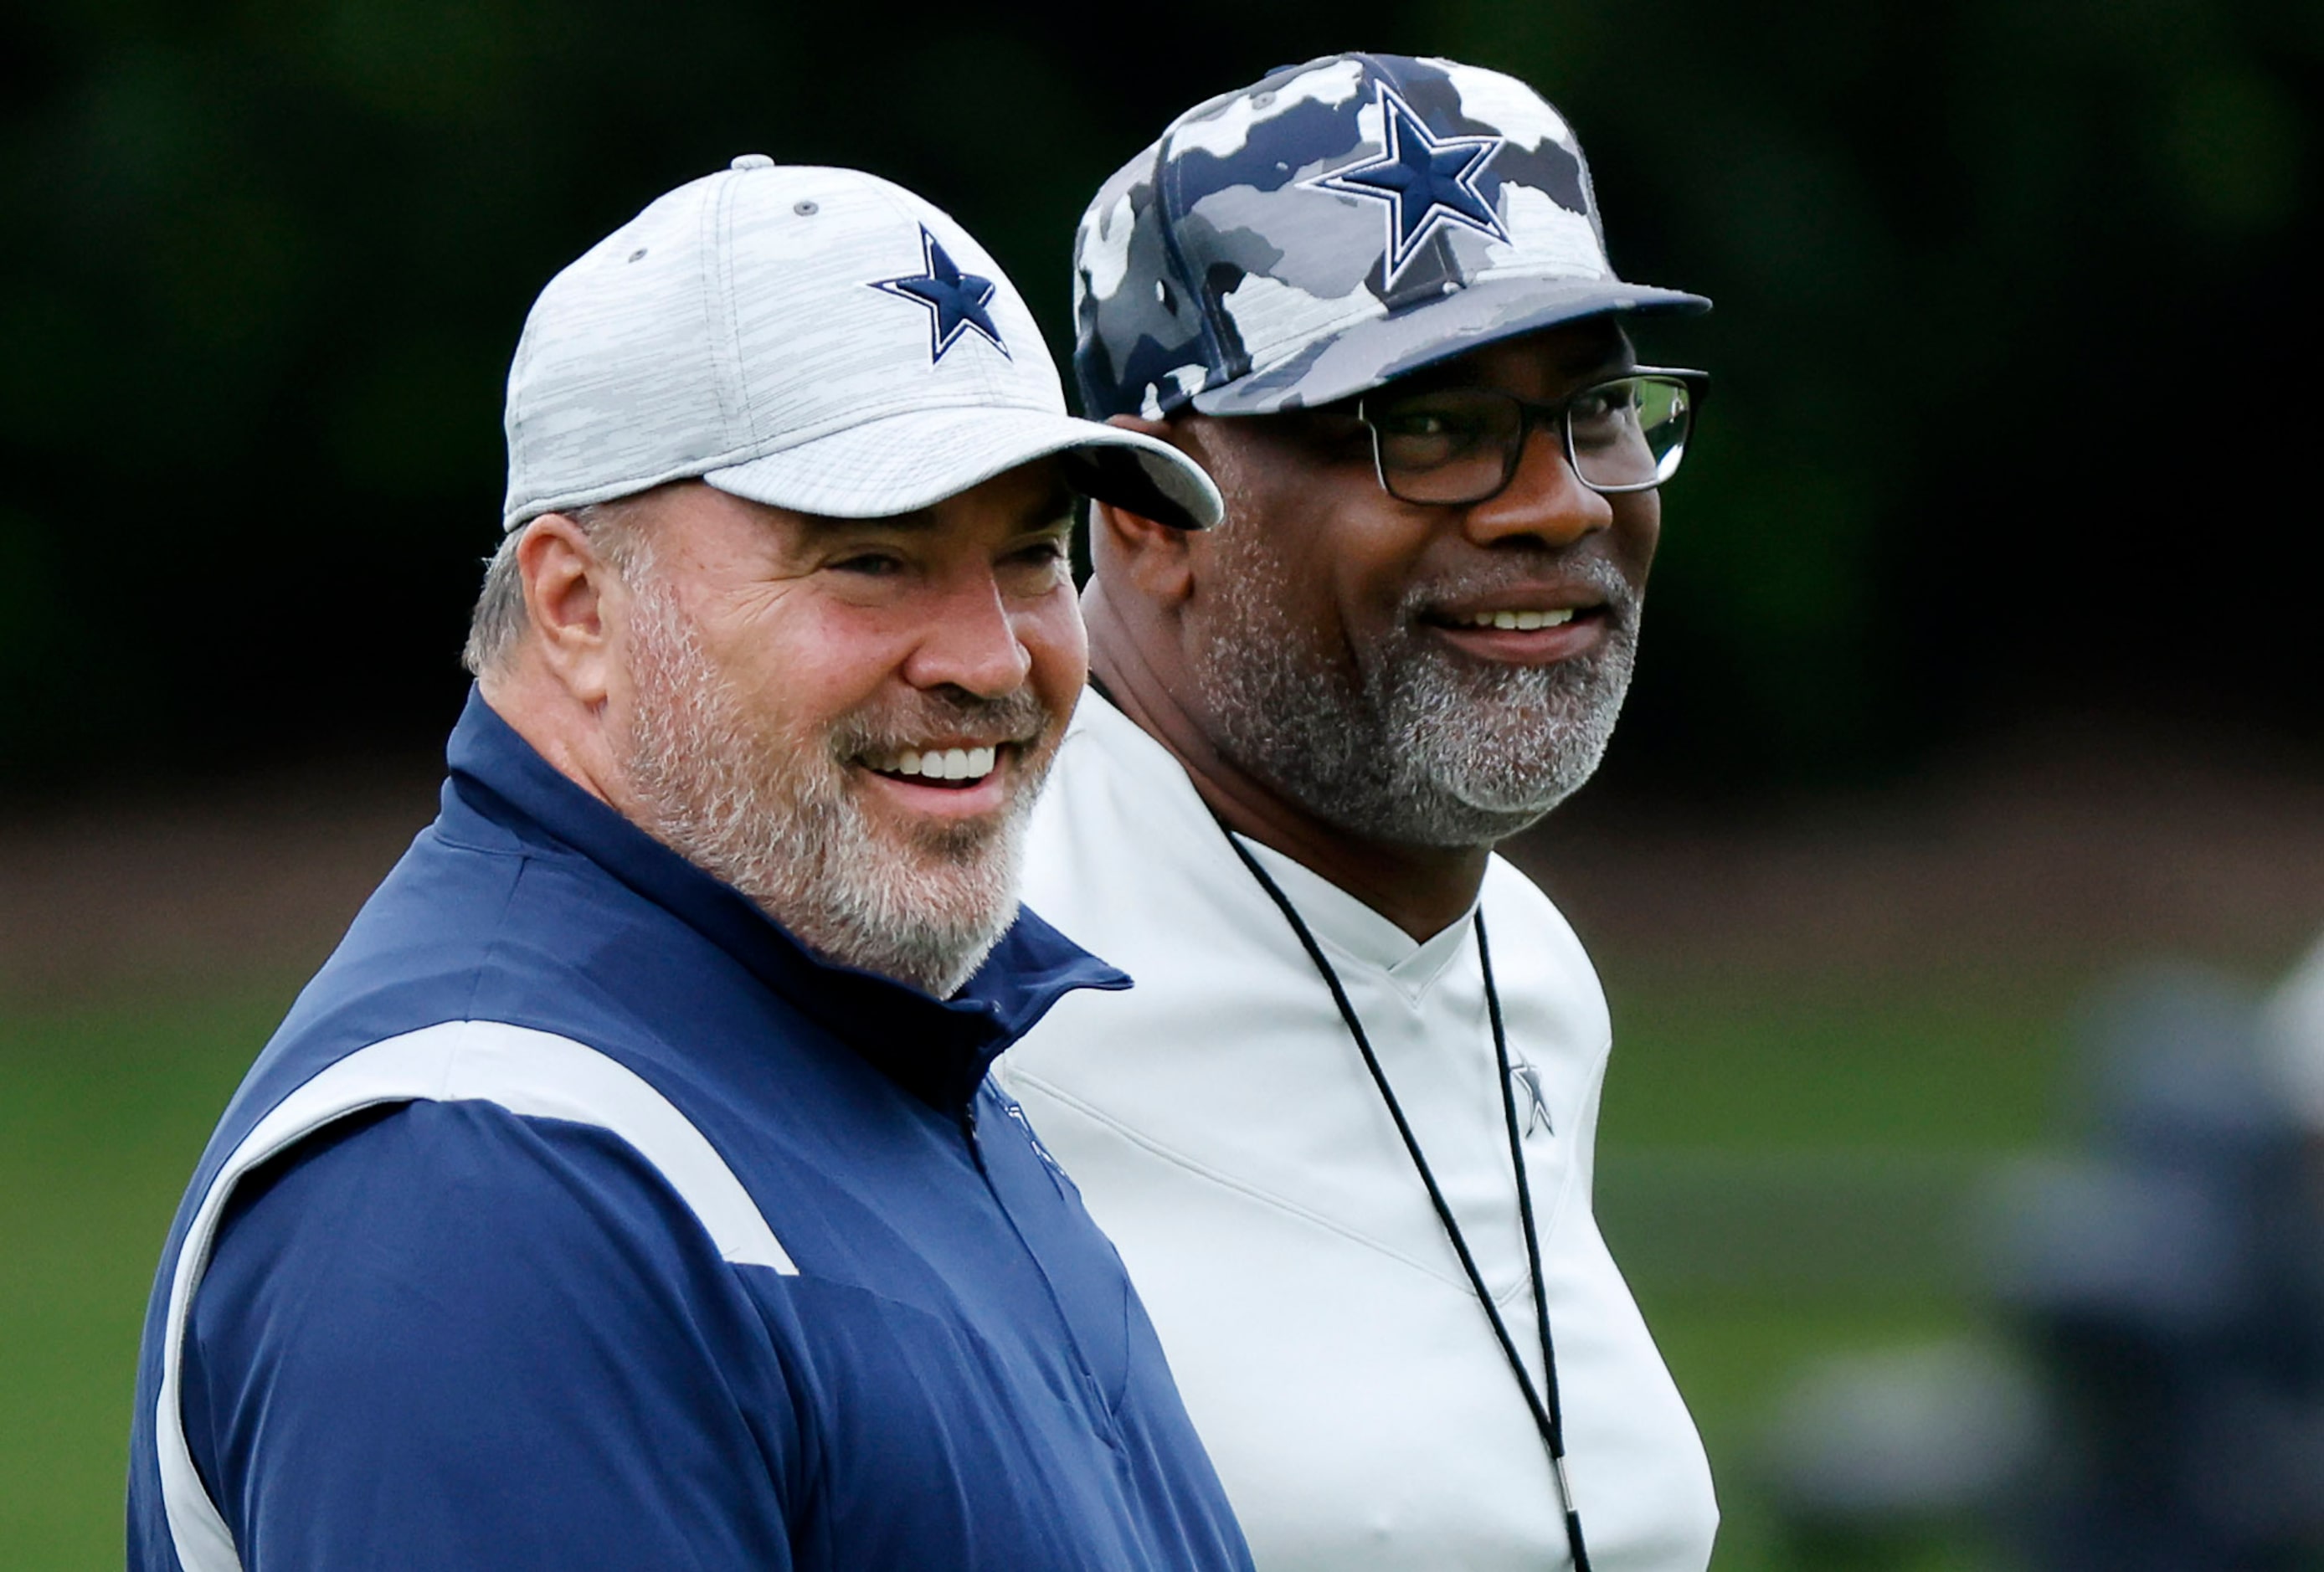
[
  {"x": 2169, "y": 1284},
  {"x": 1871, "y": 1450},
  {"x": 2162, "y": 1288}
]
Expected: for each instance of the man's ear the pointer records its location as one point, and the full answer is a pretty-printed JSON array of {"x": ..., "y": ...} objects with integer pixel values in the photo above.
[
  {"x": 575, "y": 601},
  {"x": 1131, "y": 550},
  {"x": 1128, "y": 549}
]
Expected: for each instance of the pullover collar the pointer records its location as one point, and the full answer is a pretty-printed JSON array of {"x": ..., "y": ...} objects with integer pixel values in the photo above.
[{"x": 936, "y": 1049}]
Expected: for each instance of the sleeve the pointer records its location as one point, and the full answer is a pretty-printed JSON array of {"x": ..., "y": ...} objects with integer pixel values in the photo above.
[{"x": 445, "y": 1335}]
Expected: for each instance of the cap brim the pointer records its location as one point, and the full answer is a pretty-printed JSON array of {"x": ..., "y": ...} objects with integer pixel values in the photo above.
[
  {"x": 1378, "y": 349},
  {"x": 905, "y": 462}
]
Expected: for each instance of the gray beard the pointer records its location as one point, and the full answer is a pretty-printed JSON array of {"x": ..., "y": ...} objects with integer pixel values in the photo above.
[
  {"x": 1405, "y": 741},
  {"x": 774, "y": 815}
]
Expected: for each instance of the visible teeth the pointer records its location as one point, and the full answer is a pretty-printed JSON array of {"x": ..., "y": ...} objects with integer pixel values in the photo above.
[
  {"x": 1523, "y": 621},
  {"x": 937, "y": 763}
]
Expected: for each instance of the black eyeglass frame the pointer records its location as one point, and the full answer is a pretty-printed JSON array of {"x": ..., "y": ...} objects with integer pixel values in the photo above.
[{"x": 1533, "y": 412}]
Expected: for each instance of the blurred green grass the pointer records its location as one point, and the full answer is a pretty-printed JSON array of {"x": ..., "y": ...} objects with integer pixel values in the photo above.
[
  {"x": 1783, "y": 1172},
  {"x": 103, "y": 1109},
  {"x": 1773, "y": 1159},
  {"x": 1928, "y": 1064}
]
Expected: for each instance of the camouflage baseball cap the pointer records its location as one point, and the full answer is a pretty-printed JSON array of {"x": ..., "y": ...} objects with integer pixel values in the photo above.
[{"x": 1332, "y": 226}]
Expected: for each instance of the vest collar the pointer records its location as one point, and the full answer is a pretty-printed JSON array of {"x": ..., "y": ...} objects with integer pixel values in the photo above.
[{"x": 936, "y": 1049}]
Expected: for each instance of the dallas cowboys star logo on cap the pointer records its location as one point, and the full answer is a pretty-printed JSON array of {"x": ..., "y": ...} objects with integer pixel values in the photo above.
[
  {"x": 1425, "y": 182},
  {"x": 955, "y": 300}
]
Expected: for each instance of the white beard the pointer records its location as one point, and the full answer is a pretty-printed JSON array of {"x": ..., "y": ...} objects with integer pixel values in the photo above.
[
  {"x": 771, "y": 811},
  {"x": 1404, "y": 741}
]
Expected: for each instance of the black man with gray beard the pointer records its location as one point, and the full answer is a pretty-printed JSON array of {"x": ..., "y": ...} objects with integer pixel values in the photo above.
[{"x": 1342, "y": 1129}]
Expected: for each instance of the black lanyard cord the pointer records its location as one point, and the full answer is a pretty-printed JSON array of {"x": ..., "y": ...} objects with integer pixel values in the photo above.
[
  {"x": 1550, "y": 1409},
  {"x": 1542, "y": 1405}
]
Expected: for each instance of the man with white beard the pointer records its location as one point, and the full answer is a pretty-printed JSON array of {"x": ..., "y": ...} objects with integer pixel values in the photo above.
[
  {"x": 627, "y": 1191},
  {"x": 1342, "y": 1128}
]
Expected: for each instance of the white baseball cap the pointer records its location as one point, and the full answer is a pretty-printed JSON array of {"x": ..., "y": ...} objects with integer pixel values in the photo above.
[{"x": 814, "y": 339}]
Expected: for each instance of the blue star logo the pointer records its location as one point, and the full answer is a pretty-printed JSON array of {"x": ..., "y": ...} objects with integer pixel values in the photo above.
[
  {"x": 1425, "y": 182},
  {"x": 955, "y": 300}
]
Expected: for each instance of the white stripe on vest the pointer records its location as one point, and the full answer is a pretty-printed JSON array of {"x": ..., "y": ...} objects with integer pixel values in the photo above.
[{"x": 535, "y": 1074}]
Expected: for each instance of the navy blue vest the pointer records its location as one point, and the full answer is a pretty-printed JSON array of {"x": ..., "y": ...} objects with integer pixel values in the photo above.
[{"x": 577, "y": 1216}]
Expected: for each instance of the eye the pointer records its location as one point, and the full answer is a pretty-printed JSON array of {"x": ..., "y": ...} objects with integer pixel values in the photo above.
[
  {"x": 1426, "y": 422},
  {"x": 1605, "y": 416},
  {"x": 1423, "y": 433},
  {"x": 1038, "y": 566},
  {"x": 867, "y": 565},
  {"x": 1412, "y": 423}
]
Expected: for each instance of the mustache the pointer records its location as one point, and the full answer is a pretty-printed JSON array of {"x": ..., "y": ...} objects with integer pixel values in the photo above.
[
  {"x": 1018, "y": 717},
  {"x": 1524, "y": 570}
]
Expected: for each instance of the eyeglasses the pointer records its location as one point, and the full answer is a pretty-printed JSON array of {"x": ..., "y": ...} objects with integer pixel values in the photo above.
[{"x": 1459, "y": 446}]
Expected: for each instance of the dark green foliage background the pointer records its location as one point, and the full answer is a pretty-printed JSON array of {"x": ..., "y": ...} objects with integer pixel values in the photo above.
[{"x": 2017, "y": 318}]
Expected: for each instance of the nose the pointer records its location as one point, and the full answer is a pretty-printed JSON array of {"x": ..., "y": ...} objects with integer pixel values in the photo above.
[
  {"x": 969, "y": 639},
  {"x": 1545, "y": 500}
]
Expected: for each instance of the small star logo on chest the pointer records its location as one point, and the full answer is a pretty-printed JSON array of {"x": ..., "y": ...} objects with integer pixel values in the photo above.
[
  {"x": 955, "y": 302},
  {"x": 1524, "y": 1085},
  {"x": 1425, "y": 182}
]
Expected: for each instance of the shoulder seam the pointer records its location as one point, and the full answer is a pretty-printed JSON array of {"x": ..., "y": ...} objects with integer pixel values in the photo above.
[{"x": 530, "y": 1073}]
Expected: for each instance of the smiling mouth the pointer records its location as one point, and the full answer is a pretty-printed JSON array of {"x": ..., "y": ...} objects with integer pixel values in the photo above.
[
  {"x": 955, "y": 767},
  {"x": 1518, "y": 621}
]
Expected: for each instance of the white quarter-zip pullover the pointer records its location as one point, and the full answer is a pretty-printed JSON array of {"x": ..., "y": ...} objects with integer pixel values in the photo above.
[{"x": 1224, "y": 1131}]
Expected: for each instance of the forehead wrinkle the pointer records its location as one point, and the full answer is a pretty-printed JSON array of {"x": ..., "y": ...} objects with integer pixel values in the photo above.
[
  {"x": 817, "y": 524},
  {"x": 1055, "y": 505}
]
